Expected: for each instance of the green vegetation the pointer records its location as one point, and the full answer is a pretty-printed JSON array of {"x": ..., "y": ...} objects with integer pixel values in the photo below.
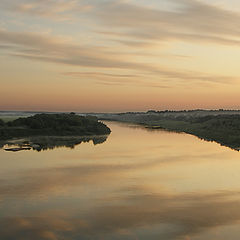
[
  {"x": 52, "y": 125},
  {"x": 224, "y": 129},
  {"x": 1, "y": 123}
]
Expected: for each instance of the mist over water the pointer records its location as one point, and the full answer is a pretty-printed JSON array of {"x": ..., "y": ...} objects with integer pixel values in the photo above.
[{"x": 136, "y": 184}]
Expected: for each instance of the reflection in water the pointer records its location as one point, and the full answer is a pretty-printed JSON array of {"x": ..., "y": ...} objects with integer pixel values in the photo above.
[
  {"x": 140, "y": 185},
  {"x": 143, "y": 216},
  {"x": 40, "y": 143}
]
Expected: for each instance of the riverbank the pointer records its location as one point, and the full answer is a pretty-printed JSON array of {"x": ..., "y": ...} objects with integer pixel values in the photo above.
[{"x": 223, "y": 129}]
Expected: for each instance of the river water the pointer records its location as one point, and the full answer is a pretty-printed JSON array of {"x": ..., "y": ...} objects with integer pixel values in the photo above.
[{"x": 138, "y": 184}]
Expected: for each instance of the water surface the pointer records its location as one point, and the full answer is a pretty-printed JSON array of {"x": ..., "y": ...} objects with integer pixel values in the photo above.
[{"x": 138, "y": 184}]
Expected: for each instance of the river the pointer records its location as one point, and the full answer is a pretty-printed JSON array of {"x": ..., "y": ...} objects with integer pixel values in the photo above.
[{"x": 138, "y": 184}]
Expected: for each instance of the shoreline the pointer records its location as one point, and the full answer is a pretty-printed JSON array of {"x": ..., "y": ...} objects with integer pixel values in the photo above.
[{"x": 183, "y": 127}]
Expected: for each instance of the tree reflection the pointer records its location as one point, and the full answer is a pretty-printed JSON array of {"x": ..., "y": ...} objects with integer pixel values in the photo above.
[{"x": 42, "y": 143}]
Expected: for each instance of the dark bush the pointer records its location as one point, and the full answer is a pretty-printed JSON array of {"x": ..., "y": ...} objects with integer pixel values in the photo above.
[
  {"x": 55, "y": 124},
  {"x": 2, "y": 123}
]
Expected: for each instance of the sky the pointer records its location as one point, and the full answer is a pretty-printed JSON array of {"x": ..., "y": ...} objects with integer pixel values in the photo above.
[{"x": 119, "y": 55}]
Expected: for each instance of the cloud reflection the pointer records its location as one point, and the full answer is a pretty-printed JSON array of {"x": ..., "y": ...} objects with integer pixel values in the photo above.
[
  {"x": 141, "y": 216},
  {"x": 135, "y": 212}
]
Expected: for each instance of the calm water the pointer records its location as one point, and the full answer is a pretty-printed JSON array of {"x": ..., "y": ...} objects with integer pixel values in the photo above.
[{"x": 138, "y": 184}]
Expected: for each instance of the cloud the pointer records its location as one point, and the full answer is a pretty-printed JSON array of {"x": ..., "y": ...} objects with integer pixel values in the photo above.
[
  {"x": 99, "y": 75},
  {"x": 136, "y": 27},
  {"x": 115, "y": 79},
  {"x": 192, "y": 21},
  {"x": 61, "y": 10},
  {"x": 48, "y": 48},
  {"x": 139, "y": 25},
  {"x": 57, "y": 49}
]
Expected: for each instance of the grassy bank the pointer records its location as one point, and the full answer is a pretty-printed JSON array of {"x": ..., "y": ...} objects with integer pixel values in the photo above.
[{"x": 223, "y": 129}]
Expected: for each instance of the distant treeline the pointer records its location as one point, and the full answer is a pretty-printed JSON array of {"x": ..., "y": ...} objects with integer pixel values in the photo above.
[
  {"x": 53, "y": 125},
  {"x": 194, "y": 110}
]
